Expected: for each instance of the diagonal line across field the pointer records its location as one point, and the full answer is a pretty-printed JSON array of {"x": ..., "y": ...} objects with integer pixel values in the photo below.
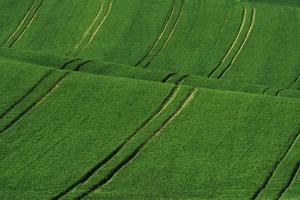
[
  {"x": 225, "y": 57},
  {"x": 139, "y": 148},
  {"x": 25, "y": 23},
  {"x": 2, "y": 115},
  {"x": 92, "y": 30},
  {"x": 169, "y": 17},
  {"x": 276, "y": 165},
  {"x": 35, "y": 103},
  {"x": 166, "y": 101},
  {"x": 243, "y": 44},
  {"x": 164, "y": 37},
  {"x": 248, "y": 17},
  {"x": 292, "y": 178}
]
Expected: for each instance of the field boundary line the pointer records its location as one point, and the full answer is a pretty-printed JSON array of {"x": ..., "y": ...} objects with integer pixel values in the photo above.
[
  {"x": 35, "y": 103},
  {"x": 137, "y": 150},
  {"x": 276, "y": 165},
  {"x": 35, "y": 12},
  {"x": 169, "y": 17},
  {"x": 292, "y": 178},
  {"x": 169, "y": 36},
  {"x": 45, "y": 76},
  {"x": 241, "y": 28},
  {"x": 157, "y": 111},
  {"x": 253, "y": 19}
]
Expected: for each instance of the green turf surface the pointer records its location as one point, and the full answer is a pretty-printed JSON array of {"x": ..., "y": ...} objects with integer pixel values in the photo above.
[{"x": 158, "y": 99}]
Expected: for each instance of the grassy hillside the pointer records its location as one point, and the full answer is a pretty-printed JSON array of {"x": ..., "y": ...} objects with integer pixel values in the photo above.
[{"x": 158, "y": 99}]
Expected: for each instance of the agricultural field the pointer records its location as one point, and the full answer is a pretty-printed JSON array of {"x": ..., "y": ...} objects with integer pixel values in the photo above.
[{"x": 156, "y": 99}]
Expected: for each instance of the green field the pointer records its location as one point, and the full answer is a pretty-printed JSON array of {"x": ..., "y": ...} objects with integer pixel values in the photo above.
[{"x": 156, "y": 99}]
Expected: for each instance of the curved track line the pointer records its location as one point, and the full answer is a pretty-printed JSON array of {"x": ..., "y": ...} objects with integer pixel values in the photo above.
[
  {"x": 22, "y": 22},
  {"x": 243, "y": 44},
  {"x": 78, "y": 67},
  {"x": 294, "y": 81},
  {"x": 169, "y": 36},
  {"x": 28, "y": 25},
  {"x": 26, "y": 94},
  {"x": 292, "y": 178},
  {"x": 265, "y": 90},
  {"x": 124, "y": 162},
  {"x": 35, "y": 103},
  {"x": 165, "y": 79},
  {"x": 181, "y": 79},
  {"x": 163, "y": 105},
  {"x": 161, "y": 34},
  {"x": 104, "y": 19},
  {"x": 69, "y": 62},
  {"x": 279, "y": 91},
  {"x": 275, "y": 167},
  {"x": 89, "y": 29},
  {"x": 242, "y": 25}
]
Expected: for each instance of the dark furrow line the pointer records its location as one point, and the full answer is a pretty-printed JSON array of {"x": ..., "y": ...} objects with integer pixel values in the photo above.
[
  {"x": 279, "y": 91},
  {"x": 232, "y": 44},
  {"x": 26, "y": 94},
  {"x": 99, "y": 165},
  {"x": 290, "y": 181},
  {"x": 169, "y": 35},
  {"x": 243, "y": 44},
  {"x": 265, "y": 90},
  {"x": 181, "y": 79},
  {"x": 27, "y": 26},
  {"x": 294, "y": 81},
  {"x": 82, "y": 64},
  {"x": 69, "y": 62},
  {"x": 165, "y": 79},
  {"x": 275, "y": 167},
  {"x": 166, "y": 23},
  {"x": 35, "y": 103},
  {"x": 129, "y": 158}
]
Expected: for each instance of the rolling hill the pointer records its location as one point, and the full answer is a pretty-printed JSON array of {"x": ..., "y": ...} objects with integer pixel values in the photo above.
[{"x": 157, "y": 99}]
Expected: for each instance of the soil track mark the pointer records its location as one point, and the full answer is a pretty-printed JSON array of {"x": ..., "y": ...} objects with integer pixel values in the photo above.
[
  {"x": 24, "y": 24},
  {"x": 69, "y": 62},
  {"x": 166, "y": 101},
  {"x": 225, "y": 57},
  {"x": 292, "y": 178},
  {"x": 78, "y": 67},
  {"x": 35, "y": 103},
  {"x": 243, "y": 44},
  {"x": 248, "y": 20},
  {"x": 25, "y": 95},
  {"x": 138, "y": 149},
  {"x": 165, "y": 79},
  {"x": 92, "y": 30},
  {"x": 164, "y": 37},
  {"x": 276, "y": 165}
]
